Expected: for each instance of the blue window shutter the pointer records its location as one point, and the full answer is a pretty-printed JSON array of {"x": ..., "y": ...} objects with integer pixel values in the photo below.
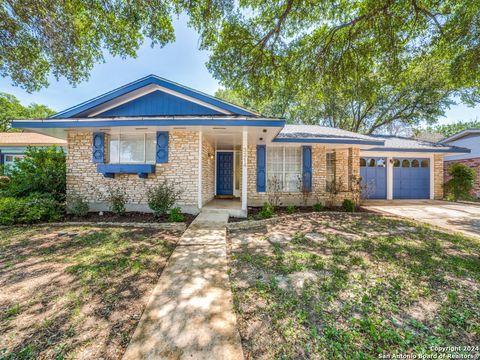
[
  {"x": 98, "y": 147},
  {"x": 261, "y": 168},
  {"x": 162, "y": 147},
  {"x": 307, "y": 168},
  {"x": 1, "y": 158}
]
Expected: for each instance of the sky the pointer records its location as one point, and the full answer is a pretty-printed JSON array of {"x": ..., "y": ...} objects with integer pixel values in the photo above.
[{"x": 180, "y": 61}]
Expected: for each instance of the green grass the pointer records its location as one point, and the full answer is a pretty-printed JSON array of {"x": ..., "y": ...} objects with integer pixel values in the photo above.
[
  {"x": 378, "y": 293},
  {"x": 91, "y": 275}
]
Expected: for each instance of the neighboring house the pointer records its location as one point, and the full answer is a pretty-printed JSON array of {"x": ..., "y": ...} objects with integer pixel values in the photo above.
[
  {"x": 13, "y": 145},
  {"x": 152, "y": 129},
  {"x": 469, "y": 139}
]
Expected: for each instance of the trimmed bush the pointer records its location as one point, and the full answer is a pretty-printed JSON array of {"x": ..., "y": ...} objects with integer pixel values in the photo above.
[
  {"x": 77, "y": 206},
  {"x": 176, "y": 215},
  {"x": 162, "y": 197},
  {"x": 318, "y": 207},
  {"x": 266, "y": 212},
  {"x": 462, "y": 181},
  {"x": 348, "y": 205},
  {"x": 117, "y": 200},
  {"x": 30, "y": 210},
  {"x": 43, "y": 170}
]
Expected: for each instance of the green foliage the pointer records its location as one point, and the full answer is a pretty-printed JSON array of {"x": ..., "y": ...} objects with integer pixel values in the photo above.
[
  {"x": 176, "y": 215},
  {"x": 448, "y": 130},
  {"x": 117, "y": 200},
  {"x": 11, "y": 109},
  {"x": 43, "y": 170},
  {"x": 77, "y": 206},
  {"x": 33, "y": 209},
  {"x": 349, "y": 205},
  {"x": 291, "y": 209},
  {"x": 462, "y": 181},
  {"x": 162, "y": 197},
  {"x": 266, "y": 212},
  {"x": 318, "y": 207},
  {"x": 364, "y": 66}
]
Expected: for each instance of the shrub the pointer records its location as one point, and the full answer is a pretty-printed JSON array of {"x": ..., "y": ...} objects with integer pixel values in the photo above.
[
  {"x": 77, "y": 206},
  {"x": 162, "y": 197},
  {"x": 318, "y": 206},
  {"x": 176, "y": 215},
  {"x": 462, "y": 181},
  {"x": 117, "y": 200},
  {"x": 43, "y": 170},
  {"x": 349, "y": 205},
  {"x": 291, "y": 209},
  {"x": 29, "y": 210},
  {"x": 266, "y": 212}
]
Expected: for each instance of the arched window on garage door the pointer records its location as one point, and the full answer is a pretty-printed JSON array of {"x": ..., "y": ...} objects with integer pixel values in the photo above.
[
  {"x": 372, "y": 163},
  {"x": 405, "y": 163},
  {"x": 396, "y": 163},
  {"x": 415, "y": 163},
  {"x": 424, "y": 163},
  {"x": 363, "y": 162}
]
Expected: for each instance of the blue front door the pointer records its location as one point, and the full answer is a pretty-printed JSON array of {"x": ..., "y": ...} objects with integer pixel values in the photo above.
[{"x": 225, "y": 173}]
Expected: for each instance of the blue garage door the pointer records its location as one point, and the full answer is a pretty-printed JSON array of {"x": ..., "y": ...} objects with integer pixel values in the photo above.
[
  {"x": 373, "y": 172},
  {"x": 411, "y": 178}
]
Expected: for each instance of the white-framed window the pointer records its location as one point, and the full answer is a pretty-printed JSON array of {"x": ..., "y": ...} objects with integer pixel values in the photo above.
[
  {"x": 132, "y": 148},
  {"x": 330, "y": 169},
  {"x": 9, "y": 159},
  {"x": 284, "y": 168}
]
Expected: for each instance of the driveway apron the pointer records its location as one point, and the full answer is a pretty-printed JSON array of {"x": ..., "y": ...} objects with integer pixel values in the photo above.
[{"x": 190, "y": 312}]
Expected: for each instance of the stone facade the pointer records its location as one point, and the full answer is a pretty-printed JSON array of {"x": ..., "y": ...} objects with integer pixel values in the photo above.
[
  {"x": 438, "y": 176},
  {"x": 208, "y": 171},
  {"x": 182, "y": 170},
  {"x": 473, "y": 163},
  {"x": 346, "y": 165}
]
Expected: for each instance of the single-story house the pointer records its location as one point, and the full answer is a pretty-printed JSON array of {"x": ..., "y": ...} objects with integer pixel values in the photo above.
[
  {"x": 470, "y": 139},
  {"x": 13, "y": 145},
  {"x": 153, "y": 129}
]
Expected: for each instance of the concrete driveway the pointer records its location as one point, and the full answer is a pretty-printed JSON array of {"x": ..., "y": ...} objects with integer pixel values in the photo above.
[{"x": 456, "y": 217}]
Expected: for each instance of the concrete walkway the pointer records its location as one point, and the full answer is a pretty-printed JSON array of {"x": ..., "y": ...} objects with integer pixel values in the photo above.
[
  {"x": 190, "y": 313},
  {"x": 454, "y": 217}
]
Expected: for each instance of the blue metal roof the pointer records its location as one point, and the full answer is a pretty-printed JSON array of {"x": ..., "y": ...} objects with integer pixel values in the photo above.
[{"x": 149, "y": 80}]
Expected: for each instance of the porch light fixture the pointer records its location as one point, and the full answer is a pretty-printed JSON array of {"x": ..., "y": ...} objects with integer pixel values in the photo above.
[
  {"x": 210, "y": 156},
  {"x": 391, "y": 161},
  {"x": 264, "y": 130}
]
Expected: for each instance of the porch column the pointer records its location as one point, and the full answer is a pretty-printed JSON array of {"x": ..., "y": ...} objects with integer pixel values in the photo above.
[
  {"x": 389, "y": 164},
  {"x": 244, "y": 168},
  {"x": 200, "y": 160}
]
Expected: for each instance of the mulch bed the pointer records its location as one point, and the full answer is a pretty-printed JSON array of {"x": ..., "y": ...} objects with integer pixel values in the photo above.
[{"x": 136, "y": 217}]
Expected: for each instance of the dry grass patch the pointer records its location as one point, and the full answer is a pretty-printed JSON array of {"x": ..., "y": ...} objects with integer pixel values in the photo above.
[
  {"x": 76, "y": 292},
  {"x": 351, "y": 286}
]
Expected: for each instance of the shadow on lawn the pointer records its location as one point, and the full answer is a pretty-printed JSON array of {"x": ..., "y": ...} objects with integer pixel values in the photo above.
[{"x": 82, "y": 290}]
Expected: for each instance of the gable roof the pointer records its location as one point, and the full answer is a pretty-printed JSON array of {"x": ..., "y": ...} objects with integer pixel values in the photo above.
[
  {"x": 405, "y": 144},
  {"x": 461, "y": 134},
  {"x": 144, "y": 86},
  {"x": 323, "y": 134},
  {"x": 25, "y": 139}
]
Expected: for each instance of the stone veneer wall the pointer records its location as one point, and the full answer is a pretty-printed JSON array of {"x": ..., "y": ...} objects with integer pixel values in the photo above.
[
  {"x": 181, "y": 169},
  {"x": 473, "y": 163},
  {"x": 208, "y": 171},
  {"x": 346, "y": 167},
  {"x": 438, "y": 176}
]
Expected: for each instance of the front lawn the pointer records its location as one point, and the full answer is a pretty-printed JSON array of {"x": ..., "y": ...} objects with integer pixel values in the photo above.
[
  {"x": 353, "y": 286},
  {"x": 76, "y": 292}
]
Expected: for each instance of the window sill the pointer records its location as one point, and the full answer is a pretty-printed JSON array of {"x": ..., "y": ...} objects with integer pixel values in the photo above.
[{"x": 109, "y": 170}]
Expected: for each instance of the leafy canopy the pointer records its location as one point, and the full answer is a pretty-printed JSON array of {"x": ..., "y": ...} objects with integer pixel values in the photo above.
[
  {"x": 11, "y": 109},
  {"x": 360, "y": 65}
]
